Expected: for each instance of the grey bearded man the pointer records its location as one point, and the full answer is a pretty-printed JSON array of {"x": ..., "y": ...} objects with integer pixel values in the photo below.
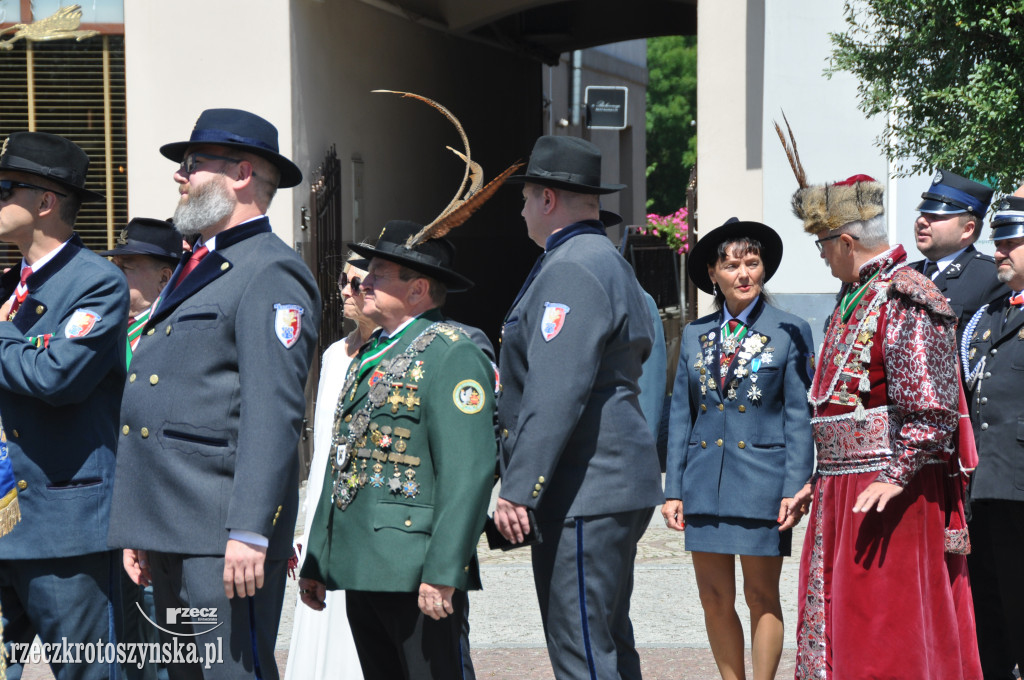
[{"x": 207, "y": 483}]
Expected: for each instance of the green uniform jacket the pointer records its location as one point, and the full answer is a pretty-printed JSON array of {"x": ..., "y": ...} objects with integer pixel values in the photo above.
[{"x": 388, "y": 542}]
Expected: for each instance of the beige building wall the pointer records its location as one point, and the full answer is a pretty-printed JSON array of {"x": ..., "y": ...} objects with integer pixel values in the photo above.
[
  {"x": 729, "y": 76},
  {"x": 730, "y": 47},
  {"x": 185, "y": 56}
]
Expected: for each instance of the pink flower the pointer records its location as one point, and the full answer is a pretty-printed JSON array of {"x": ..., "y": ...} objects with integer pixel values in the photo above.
[{"x": 655, "y": 232}]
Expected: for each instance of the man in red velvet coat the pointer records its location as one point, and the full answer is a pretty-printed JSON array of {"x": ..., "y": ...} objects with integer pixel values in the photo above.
[{"x": 883, "y": 570}]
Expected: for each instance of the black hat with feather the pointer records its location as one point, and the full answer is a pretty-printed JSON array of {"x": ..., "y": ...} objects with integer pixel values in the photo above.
[
  {"x": 433, "y": 257},
  {"x": 423, "y": 249}
]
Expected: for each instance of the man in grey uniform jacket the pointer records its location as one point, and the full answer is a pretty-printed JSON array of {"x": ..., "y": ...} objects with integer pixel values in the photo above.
[
  {"x": 207, "y": 478},
  {"x": 575, "y": 450},
  {"x": 61, "y": 374}
]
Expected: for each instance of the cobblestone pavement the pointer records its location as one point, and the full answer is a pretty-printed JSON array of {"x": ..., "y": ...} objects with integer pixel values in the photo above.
[{"x": 508, "y": 642}]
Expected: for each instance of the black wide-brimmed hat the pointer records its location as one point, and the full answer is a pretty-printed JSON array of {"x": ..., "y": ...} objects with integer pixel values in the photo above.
[
  {"x": 432, "y": 258},
  {"x": 567, "y": 163},
  {"x": 951, "y": 194},
  {"x": 609, "y": 218},
  {"x": 237, "y": 129},
  {"x": 57, "y": 159},
  {"x": 147, "y": 236},
  {"x": 705, "y": 253}
]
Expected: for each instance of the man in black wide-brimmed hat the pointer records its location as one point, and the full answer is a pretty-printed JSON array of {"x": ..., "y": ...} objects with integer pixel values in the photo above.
[
  {"x": 147, "y": 253},
  {"x": 406, "y": 494},
  {"x": 576, "y": 451},
  {"x": 207, "y": 486},
  {"x": 62, "y": 354}
]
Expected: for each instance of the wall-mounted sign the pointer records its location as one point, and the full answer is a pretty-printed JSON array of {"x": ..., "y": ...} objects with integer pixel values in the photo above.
[{"x": 606, "y": 107}]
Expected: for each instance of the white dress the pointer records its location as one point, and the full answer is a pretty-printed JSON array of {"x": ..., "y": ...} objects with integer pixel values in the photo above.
[{"x": 321, "y": 645}]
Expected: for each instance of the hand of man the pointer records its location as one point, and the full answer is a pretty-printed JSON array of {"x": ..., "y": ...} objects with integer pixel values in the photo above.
[
  {"x": 672, "y": 511},
  {"x": 136, "y": 565},
  {"x": 5, "y": 310},
  {"x": 512, "y": 520},
  {"x": 436, "y": 601},
  {"x": 878, "y": 493},
  {"x": 243, "y": 568},
  {"x": 313, "y": 594}
]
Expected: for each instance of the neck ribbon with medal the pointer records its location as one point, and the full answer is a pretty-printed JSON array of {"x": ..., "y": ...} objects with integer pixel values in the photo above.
[
  {"x": 853, "y": 343},
  {"x": 745, "y": 349},
  {"x": 389, "y": 443}
]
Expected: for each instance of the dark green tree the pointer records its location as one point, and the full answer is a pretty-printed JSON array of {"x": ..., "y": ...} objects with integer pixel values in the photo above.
[
  {"x": 947, "y": 78},
  {"x": 671, "y": 115}
]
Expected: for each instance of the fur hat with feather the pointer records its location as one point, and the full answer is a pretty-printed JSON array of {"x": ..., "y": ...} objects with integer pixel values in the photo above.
[{"x": 824, "y": 207}]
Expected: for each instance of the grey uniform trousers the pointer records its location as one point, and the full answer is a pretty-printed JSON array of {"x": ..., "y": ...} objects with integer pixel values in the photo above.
[{"x": 583, "y": 571}]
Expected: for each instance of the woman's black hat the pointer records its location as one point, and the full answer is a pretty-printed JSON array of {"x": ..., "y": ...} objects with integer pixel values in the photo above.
[
  {"x": 147, "y": 236},
  {"x": 432, "y": 258},
  {"x": 237, "y": 129},
  {"x": 705, "y": 253},
  {"x": 567, "y": 163},
  {"x": 55, "y": 158}
]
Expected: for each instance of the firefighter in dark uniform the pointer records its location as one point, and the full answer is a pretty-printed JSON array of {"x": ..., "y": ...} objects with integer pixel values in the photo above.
[
  {"x": 952, "y": 213},
  {"x": 993, "y": 362}
]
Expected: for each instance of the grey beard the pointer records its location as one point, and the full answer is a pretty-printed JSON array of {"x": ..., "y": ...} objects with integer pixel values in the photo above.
[{"x": 207, "y": 205}]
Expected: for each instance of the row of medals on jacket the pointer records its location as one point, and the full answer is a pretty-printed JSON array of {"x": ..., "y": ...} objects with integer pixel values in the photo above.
[
  {"x": 853, "y": 356},
  {"x": 752, "y": 346},
  {"x": 390, "y": 444}
]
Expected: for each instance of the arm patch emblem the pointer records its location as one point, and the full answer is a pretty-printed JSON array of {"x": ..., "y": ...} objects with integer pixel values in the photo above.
[
  {"x": 553, "y": 320},
  {"x": 468, "y": 397},
  {"x": 80, "y": 323},
  {"x": 288, "y": 323}
]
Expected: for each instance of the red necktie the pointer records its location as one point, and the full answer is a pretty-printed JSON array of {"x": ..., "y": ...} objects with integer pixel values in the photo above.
[
  {"x": 1017, "y": 299},
  {"x": 733, "y": 323},
  {"x": 21, "y": 292},
  {"x": 193, "y": 262}
]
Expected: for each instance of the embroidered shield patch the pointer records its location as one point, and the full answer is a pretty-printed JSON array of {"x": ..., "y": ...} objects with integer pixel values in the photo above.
[
  {"x": 553, "y": 320},
  {"x": 288, "y": 323},
  {"x": 80, "y": 323},
  {"x": 468, "y": 396}
]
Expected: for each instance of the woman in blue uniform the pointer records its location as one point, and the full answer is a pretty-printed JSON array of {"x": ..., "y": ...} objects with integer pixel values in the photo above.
[{"x": 739, "y": 441}]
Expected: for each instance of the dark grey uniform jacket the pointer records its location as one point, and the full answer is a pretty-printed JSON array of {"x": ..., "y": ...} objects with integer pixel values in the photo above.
[
  {"x": 59, "y": 398},
  {"x": 968, "y": 282},
  {"x": 997, "y": 409},
  {"x": 740, "y": 457},
  {"x": 214, "y": 402},
  {"x": 573, "y": 439}
]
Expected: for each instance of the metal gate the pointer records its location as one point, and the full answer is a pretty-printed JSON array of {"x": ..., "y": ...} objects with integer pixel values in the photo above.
[
  {"x": 328, "y": 245},
  {"x": 326, "y": 260}
]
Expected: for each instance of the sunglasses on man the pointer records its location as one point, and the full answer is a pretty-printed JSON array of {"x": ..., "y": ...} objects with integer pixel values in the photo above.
[{"x": 7, "y": 187}]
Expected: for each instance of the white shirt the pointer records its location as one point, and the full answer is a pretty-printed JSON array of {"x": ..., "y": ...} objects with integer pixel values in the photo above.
[
  {"x": 40, "y": 263},
  {"x": 944, "y": 262}
]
